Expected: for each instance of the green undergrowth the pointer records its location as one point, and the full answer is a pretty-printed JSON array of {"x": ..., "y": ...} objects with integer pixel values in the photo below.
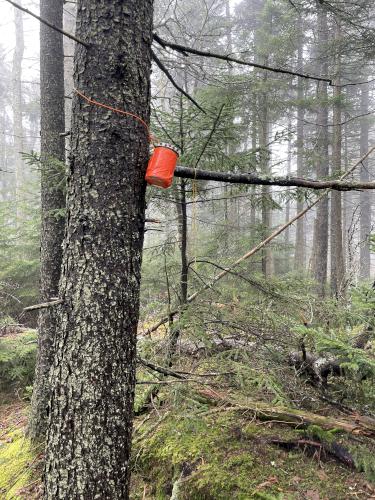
[
  {"x": 219, "y": 454},
  {"x": 17, "y": 361}
]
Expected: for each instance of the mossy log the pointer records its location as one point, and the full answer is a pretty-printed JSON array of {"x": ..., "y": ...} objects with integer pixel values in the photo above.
[{"x": 354, "y": 424}]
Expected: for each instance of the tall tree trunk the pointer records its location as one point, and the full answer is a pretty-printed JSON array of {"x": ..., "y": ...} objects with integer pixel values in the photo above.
[
  {"x": 320, "y": 245},
  {"x": 300, "y": 252},
  {"x": 3, "y": 154},
  {"x": 183, "y": 232},
  {"x": 287, "y": 205},
  {"x": 254, "y": 137},
  {"x": 52, "y": 198},
  {"x": 264, "y": 134},
  {"x": 93, "y": 375},
  {"x": 17, "y": 103},
  {"x": 365, "y": 197},
  {"x": 337, "y": 250},
  {"x": 264, "y": 137}
]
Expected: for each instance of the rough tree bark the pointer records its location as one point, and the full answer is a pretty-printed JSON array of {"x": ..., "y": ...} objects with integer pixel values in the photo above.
[
  {"x": 52, "y": 199},
  {"x": 365, "y": 197},
  {"x": 93, "y": 375},
  {"x": 320, "y": 245}
]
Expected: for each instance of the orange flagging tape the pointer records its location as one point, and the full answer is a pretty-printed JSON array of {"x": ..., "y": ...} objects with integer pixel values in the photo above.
[{"x": 116, "y": 110}]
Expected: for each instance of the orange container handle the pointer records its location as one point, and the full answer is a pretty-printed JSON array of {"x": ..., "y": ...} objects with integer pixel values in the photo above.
[{"x": 162, "y": 164}]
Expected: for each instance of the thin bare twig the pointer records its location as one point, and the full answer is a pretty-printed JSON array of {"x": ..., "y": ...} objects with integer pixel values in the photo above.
[
  {"x": 174, "y": 83},
  {"x": 47, "y": 23}
]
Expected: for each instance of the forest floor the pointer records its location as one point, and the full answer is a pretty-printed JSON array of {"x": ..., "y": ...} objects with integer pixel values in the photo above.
[
  {"x": 226, "y": 431},
  {"x": 20, "y": 462},
  {"x": 213, "y": 456}
]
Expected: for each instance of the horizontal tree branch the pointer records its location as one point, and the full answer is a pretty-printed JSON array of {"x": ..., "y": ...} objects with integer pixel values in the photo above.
[
  {"x": 238, "y": 178},
  {"x": 47, "y": 23},
  {"x": 204, "y": 53}
]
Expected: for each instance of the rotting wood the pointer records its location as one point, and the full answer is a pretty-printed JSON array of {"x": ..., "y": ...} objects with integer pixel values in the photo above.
[{"x": 319, "y": 448}]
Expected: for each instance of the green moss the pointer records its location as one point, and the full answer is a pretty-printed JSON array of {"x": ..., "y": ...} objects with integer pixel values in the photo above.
[
  {"x": 226, "y": 456},
  {"x": 316, "y": 432},
  {"x": 16, "y": 458}
]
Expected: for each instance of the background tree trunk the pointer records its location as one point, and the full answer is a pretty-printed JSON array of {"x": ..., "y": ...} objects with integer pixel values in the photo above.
[
  {"x": 300, "y": 252},
  {"x": 337, "y": 250},
  {"x": 17, "y": 103},
  {"x": 287, "y": 205},
  {"x": 320, "y": 245},
  {"x": 93, "y": 376},
  {"x": 52, "y": 200},
  {"x": 365, "y": 197},
  {"x": 264, "y": 134}
]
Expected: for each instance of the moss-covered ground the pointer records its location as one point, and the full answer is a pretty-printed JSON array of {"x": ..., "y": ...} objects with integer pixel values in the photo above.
[
  {"x": 219, "y": 455},
  {"x": 20, "y": 461},
  {"x": 189, "y": 446}
]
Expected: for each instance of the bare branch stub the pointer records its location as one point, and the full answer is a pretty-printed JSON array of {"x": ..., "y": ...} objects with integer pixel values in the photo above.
[{"x": 44, "y": 305}]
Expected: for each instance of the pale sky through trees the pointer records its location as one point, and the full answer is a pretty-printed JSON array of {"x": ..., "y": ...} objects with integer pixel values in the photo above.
[{"x": 31, "y": 30}]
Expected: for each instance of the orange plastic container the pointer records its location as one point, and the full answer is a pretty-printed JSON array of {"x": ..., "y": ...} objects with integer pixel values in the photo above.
[{"x": 162, "y": 165}]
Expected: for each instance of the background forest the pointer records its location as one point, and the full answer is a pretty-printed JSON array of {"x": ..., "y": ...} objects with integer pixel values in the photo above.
[{"x": 259, "y": 381}]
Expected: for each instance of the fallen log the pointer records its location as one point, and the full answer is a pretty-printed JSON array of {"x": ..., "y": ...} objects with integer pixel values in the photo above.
[
  {"x": 318, "y": 448},
  {"x": 354, "y": 424},
  {"x": 318, "y": 368}
]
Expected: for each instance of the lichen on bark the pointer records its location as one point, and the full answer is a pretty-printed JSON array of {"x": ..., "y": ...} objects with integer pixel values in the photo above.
[{"x": 93, "y": 375}]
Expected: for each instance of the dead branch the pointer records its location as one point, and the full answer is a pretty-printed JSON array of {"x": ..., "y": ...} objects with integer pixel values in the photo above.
[
  {"x": 47, "y": 23},
  {"x": 44, "y": 305},
  {"x": 153, "y": 221},
  {"x": 160, "y": 369},
  {"x": 173, "y": 81},
  {"x": 165, "y": 382},
  {"x": 203, "y": 53},
  {"x": 210, "y": 135},
  {"x": 251, "y": 179}
]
